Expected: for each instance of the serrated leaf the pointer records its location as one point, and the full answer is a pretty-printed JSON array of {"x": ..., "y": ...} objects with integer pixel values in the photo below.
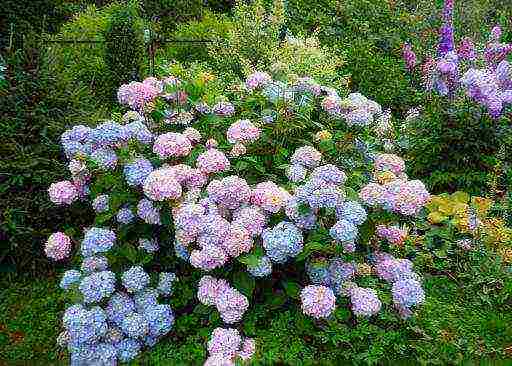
[
  {"x": 292, "y": 289},
  {"x": 244, "y": 282}
]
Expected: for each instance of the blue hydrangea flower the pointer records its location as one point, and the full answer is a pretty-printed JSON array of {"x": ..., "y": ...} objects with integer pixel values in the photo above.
[
  {"x": 305, "y": 220},
  {"x": 84, "y": 326},
  {"x": 145, "y": 298},
  {"x": 128, "y": 349},
  {"x": 139, "y": 131},
  {"x": 135, "y": 326},
  {"x": 351, "y": 211},
  {"x": 78, "y": 133},
  {"x": 328, "y": 173},
  {"x": 97, "y": 286},
  {"x": 109, "y": 134},
  {"x": 343, "y": 230},
  {"x": 181, "y": 251},
  {"x": 160, "y": 319},
  {"x": 105, "y": 158},
  {"x": 262, "y": 269},
  {"x": 339, "y": 273},
  {"x": 100, "y": 203},
  {"x": 125, "y": 215},
  {"x": 283, "y": 241},
  {"x": 165, "y": 283},
  {"x": 70, "y": 278},
  {"x": 97, "y": 240},
  {"x": 135, "y": 279},
  {"x": 149, "y": 245},
  {"x": 118, "y": 307},
  {"x": 94, "y": 354},
  {"x": 137, "y": 171}
]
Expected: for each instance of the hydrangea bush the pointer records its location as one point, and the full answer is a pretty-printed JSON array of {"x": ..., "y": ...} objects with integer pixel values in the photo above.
[{"x": 194, "y": 176}]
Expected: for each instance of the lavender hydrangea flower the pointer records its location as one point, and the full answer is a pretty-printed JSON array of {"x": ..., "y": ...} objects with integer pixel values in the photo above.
[
  {"x": 145, "y": 298},
  {"x": 317, "y": 301},
  {"x": 148, "y": 212},
  {"x": 296, "y": 173},
  {"x": 365, "y": 301},
  {"x": 408, "y": 292},
  {"x": 106, "y": 158},
  {"x": 307, "y": 156},
  {"x": 94, "y": 264},
  {"x": 100, "y": 203}
]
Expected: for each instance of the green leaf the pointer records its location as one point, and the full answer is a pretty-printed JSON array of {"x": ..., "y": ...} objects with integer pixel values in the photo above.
[
  {"x": 251, "y": 260},
  {"x": 310, "y": 248},
  {"x": 292, "y": 289},
  {"x": 244, "y": 282}
]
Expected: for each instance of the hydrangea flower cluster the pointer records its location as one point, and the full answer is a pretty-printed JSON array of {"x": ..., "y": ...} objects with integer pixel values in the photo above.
[
  {"x": 227, "y": 345},
  {"x": 230, "y": 302},
  {"x": 216, "y": 216},
  {"x": 317, "y": 301},
  {"x": 406, "y": 287},
  {"x": 394, "y": 193},
  {"x": 139, "y": 95},
  {"x": 394, "y": 234},
  {"x": 356, "y": 109},
  {"x": 58, "y": 246}
]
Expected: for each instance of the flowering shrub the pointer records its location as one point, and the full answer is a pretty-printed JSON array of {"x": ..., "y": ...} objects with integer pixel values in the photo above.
[{"x": 156, "y": 171}]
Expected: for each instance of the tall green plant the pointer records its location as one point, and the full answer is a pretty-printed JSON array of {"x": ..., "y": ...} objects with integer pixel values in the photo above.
[{"x": 124, "y": 46}]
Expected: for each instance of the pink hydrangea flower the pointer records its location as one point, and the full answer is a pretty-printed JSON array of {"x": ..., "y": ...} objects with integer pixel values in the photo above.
[
  {"x": 243, "y": 131},
  {"x": 252, "y": 218},
  {"x": 161, "y": 184},
  {"x": 317, "y": 301},
  {"x": 248, "y": 349},
  {"x": 208, "y": 258},
  {"x": 209, "y": 289},
  {"x": 389, "y": 162},
  {"x": 225, "y": 342},
  {"x": 238, "y": 241},
  {"x": 172, "y": 145},
  {"x": 394, "y": 234},
  {"x": 269, "y": 196},
  {"x": 238, "y": 150},
  {"x": 63, "y": 193},
  {"x": 257, "y": 80},
  {"x": 58, "y": 246},
  {"x": 365, "y": 301},
  {"x": 192, "y": 134},
  {"x": 137, "y": 95},
  {"x": 212, "y": 161}
]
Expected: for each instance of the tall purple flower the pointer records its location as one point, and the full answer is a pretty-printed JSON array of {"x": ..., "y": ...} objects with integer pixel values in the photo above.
[
  {"x": 409, "y": 57},
  {"x": 446, "y": 42},
  {"x": 467, "y": 49}
]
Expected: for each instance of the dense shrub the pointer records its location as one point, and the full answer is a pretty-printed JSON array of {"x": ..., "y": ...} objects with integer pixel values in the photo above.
[
  {"x": 124, "y": 46},
  {"x": 35, "y": 109}
]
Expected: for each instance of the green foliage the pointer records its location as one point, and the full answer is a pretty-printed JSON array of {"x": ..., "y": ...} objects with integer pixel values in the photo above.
[
  {"x": 453, "y": 146},
  {"x": 209, "y": 27},
  {"x": 124, "y": 46},
  {"x": 36, "y": 108}
]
